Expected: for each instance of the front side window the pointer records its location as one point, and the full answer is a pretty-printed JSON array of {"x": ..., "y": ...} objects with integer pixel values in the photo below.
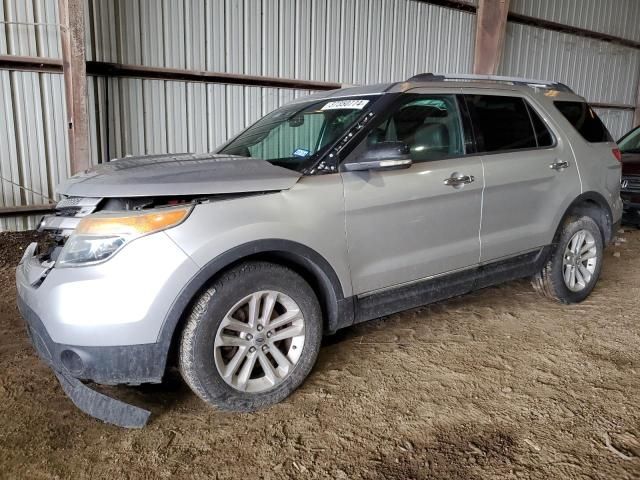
[
  {"x": 585, "y": 121},
  {"x": 428, "y": 124},
  {"x": 630, "y": 143},
  {"x": 295, "y": 136},
  {"x": 501, "y": 123}
]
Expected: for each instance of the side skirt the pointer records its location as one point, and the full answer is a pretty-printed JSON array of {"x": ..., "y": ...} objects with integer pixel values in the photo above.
[{"x": 432, "y": 290}]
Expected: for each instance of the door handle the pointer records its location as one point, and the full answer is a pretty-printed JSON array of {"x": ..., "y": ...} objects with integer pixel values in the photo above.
[
  {"x": 457, "y": 180},
  {"x": 559, "y": 165}
]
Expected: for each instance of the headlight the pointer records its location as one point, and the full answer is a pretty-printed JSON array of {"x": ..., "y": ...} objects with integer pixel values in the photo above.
[{"x": 97, "y": 237}]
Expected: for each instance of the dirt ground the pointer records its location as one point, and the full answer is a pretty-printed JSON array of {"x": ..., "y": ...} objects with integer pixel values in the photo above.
[{"x": 496, "y": 384}]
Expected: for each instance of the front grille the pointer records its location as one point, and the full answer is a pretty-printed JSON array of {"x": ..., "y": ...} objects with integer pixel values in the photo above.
[
  {"x": 67, "y": 211},
  {"x": 69, "y": 202},
  {"x": 76, "y": 206},
  {"x": 630, "y": 183}
]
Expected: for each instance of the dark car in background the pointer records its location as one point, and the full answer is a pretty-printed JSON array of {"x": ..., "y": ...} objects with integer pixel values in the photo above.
[{"x": 630, "y": 185}]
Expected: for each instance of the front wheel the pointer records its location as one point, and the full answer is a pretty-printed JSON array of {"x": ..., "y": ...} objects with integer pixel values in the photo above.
[
  {"x": 251, "y": 338},
  {"x": 574, "y": 268}
]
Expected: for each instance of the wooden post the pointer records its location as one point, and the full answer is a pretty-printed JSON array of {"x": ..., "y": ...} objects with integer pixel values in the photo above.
[
  {"x": 491, "y": 27},
  {"x": 74, "y": 68}
]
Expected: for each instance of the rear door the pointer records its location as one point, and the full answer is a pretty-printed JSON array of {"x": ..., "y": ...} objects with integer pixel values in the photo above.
[
  {"x": 407, "y": 225},
  {"x": 530, "y": 174}
]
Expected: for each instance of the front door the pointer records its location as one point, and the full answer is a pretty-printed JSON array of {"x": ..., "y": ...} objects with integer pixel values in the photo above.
[{"x": 411, "y": 224}]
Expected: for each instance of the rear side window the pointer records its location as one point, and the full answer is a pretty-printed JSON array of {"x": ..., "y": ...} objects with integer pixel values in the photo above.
[
  {"x": 501, "y": 123},
  {"x": 585, "y": 121}
]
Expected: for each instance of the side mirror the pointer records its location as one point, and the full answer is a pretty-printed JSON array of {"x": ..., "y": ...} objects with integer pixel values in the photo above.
[{"x": 381, "y": 156}]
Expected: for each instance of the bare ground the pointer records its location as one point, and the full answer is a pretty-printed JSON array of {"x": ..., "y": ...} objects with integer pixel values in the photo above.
[{"x": 496, "y": 384}]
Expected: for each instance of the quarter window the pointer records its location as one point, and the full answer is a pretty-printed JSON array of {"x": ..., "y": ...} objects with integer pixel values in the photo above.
[
  {"x": 585, "y": 121},
  {"x": 428, "y": 124},
  {"x": 502, "y": 123}
]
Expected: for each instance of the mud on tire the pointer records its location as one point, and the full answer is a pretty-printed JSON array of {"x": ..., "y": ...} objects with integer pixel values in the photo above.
[
  {"x": 550, "y": 281},
  {"x": 197, "y": 359}
]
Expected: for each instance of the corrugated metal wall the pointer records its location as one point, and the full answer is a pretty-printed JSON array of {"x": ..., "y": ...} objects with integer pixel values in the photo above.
[
  {"x": 33, "y": 139},
  {"x": 344, "y": 41},
  {"x": 617, "y": 121},
  {"x": 602, "y": 72},
  {"x": 30, "y": 40},
  {"x": 154, "y": 116},
  {"x": 619, "y": 18},
  {"x": 322, "y": 40}
]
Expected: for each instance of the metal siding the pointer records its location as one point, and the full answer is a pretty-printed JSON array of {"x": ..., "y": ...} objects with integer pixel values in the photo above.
[
  {"x": 154, "y": 116},
  {"x": 21, "y": 39},
  {"x": 619, "y": 18},
  {"x": 33, "y": 141},
  {"x": 600, "y": 71},
  {"x": 3, "y": 33},
  {"x": 346, "y": 41},
  {"x": 102, "y": 30},
  {"x": 215, "y": 35},
  {"x": 617, "y": 121},
  {"x": 327, "y": 40},
  {"x": 9, "y": 169},
  {"x": 30, "y": 40}
]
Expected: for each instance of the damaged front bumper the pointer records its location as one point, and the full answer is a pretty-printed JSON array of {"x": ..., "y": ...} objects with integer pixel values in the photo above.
[
  {"x": 102, "y": 407},
  {"x": 71, "y": 364},
  {"x": 103, "y": 323}
]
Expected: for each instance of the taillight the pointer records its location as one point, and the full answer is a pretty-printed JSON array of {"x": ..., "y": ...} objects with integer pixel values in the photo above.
[{"x": 617, "y": 153}]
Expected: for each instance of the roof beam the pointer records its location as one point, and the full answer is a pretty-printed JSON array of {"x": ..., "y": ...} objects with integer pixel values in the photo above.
[
  {"x": 30, "y": 64},
  {"x": 22, "y": 210},
  {"x": 74, "y": 70},
  {"x": 164, "y": 73},
  {"x": 491, "y": 28}
]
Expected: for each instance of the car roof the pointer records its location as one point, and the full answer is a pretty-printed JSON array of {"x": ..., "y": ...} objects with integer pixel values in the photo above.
[{"x": 429, "y": 80}]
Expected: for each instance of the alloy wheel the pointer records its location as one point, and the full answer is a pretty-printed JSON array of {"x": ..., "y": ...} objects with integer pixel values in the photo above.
[
  {"x": 579, "y": 261},
  {"x": 259, "y": 341}
]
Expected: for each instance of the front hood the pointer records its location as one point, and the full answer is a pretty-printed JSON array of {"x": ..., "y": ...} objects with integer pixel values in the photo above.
[
  {"x": 631, "y": 163},
  {"x": 179, "y": 174}
]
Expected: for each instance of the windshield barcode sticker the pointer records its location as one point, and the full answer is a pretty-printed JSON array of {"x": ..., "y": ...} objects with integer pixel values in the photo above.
[
  {"x": 346, "y": 104},
  {"x": 300, "y": 152}
]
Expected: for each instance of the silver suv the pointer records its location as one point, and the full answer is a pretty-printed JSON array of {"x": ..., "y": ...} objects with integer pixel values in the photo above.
[{"x": 334, "y": 209}]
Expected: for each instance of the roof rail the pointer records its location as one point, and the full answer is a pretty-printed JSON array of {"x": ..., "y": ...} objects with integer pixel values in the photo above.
[{"x": 437, "y": 77}]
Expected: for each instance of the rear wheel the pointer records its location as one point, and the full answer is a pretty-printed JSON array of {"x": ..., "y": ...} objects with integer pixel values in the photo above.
[
  {"x": 574, "y": 267},
  {"x": 251, "y": 338}
]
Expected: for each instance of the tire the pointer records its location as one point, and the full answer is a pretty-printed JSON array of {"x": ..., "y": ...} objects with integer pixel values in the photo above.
[
  {"x": 208, "y": 348},
  {"x": 551, "y": 281}
]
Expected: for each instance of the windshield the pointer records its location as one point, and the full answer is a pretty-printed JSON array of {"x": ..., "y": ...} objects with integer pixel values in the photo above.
[
  {"x": 630, "y": 143},
  {"x": 295, "y": 136}
]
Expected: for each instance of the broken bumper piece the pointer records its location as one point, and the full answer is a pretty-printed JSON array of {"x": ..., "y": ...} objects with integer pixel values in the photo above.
[
  {"x": 133, "y": 365},
  {"x": 101, "y": 406}
]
